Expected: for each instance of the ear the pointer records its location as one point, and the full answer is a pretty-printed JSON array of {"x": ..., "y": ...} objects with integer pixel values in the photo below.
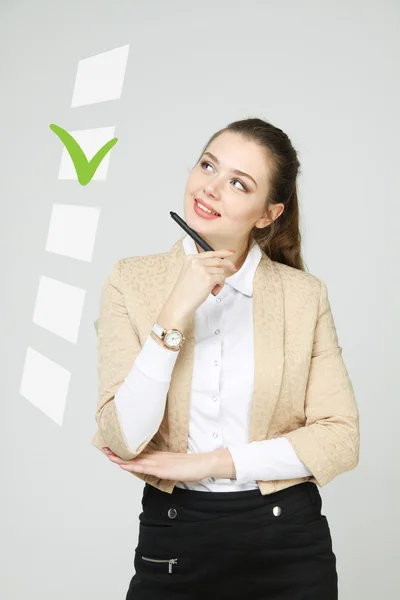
[
  {"x": 275, "y": 211},
  {"x": 262, "y": 222}
]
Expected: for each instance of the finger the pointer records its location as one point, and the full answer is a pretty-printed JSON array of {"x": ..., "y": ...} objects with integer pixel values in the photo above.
[
  {"x": 116, "y": 459},
  {"x": 224, "y": 252},
  {"x": 213, "y": 254},
  {"x": 133, "y": 467}
]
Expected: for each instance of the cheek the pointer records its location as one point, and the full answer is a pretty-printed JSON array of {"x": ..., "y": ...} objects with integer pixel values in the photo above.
[
  {"x": 236, "y": 211},
  {"x": 248, "y": 211},
  {"x": 194, "y": 183},
  {"x": 190, "y": 188}
]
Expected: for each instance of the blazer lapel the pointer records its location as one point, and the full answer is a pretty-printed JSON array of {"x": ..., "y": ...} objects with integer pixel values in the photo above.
[{"x": 268, "y": 323}]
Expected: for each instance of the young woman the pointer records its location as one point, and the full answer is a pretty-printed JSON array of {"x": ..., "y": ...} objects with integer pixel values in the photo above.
[{"x": 222, "y": 386}]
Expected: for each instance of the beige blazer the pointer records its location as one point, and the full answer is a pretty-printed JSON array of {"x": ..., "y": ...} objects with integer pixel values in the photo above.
[{"x": 302, "y": 389}]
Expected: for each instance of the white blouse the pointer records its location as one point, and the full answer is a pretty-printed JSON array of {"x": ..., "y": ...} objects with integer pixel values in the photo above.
[{"x": 222, "y": 389}]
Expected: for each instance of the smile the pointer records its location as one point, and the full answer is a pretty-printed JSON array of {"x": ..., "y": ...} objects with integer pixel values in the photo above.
[{"x": 204, "y": 212}]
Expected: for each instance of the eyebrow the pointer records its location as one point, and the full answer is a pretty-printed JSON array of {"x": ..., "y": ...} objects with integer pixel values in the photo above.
[{"x": 236, "y": 171}]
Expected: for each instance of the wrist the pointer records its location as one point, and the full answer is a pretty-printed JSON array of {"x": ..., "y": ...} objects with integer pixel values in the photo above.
[
  {"x": 157, "y": 339},
  {"x": 168, "y": 330},
  {"x": 171, "y": 319},
  {"x": 221, "y": 464}
]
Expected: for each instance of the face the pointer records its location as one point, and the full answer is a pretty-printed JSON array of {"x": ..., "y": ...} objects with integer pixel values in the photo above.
[{"x": 238, "y": 197}]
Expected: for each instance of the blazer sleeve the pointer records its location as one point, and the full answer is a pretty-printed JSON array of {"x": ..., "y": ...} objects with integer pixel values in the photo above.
[
  {"x": 329, "y": 442},
  {"x": 118, "y": 345}
]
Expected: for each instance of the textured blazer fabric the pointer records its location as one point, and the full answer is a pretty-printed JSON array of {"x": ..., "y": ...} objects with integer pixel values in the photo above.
[{"x": 302, "y": 389}]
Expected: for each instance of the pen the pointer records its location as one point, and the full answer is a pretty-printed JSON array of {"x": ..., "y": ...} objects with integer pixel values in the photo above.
[{"x": 193, "y": 234}]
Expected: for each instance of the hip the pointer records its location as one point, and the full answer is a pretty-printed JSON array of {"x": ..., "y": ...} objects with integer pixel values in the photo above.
[{"x": 223, "y": 519}]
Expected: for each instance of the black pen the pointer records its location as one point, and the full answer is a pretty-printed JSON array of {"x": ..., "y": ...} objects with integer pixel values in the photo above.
[{"x": 193, "y": 234}]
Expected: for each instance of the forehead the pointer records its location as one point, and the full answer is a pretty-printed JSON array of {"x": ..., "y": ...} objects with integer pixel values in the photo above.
[{"x": 234, "y": 151}]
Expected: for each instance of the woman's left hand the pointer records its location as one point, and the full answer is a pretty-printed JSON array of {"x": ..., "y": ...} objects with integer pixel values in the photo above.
[{"x": 177, "y": 466}]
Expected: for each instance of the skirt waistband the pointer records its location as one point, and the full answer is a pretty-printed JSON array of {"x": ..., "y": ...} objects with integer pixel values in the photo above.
[{"x": 221, "y": 503}]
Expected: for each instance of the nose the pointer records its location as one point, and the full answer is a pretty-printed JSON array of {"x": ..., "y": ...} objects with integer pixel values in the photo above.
[{"x": 211, "y": 189}]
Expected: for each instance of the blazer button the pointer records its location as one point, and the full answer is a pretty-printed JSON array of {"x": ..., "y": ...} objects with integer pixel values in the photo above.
[
  {"x": 172, "y": 513},
  {"x": 277, "y": 510}
]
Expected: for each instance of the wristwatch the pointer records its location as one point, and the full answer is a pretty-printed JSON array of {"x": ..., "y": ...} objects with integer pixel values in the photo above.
[{"x": 172, "y": 338}]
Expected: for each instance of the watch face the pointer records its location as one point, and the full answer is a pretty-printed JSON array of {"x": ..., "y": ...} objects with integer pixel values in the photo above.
[{"x": 173, "y": 338}]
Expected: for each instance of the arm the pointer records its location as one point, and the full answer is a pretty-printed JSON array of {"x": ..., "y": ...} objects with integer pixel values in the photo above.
[
  {"x": 140, "y": 400},
  {"x": 329, "y": 442},
  {"x": 265, "y": 461},
  {"x": 118, "y": 349}
]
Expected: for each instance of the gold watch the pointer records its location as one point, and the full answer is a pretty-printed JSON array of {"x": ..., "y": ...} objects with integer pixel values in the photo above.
[{"x": 172, "y": 338}]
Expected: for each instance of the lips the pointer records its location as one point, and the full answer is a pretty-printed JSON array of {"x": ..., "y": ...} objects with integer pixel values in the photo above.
[
  {"x": 207, "y": 205},
  {"x": 203, "y": 213}
]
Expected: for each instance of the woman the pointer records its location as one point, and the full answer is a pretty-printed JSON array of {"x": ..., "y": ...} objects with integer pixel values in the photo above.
[{"x": 237, "y": 414}]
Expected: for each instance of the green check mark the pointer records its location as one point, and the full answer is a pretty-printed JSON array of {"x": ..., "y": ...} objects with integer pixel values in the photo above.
[{"x": 84, "y": 168}]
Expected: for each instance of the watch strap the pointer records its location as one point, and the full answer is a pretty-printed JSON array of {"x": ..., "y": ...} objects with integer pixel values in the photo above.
[{"x": 158, "y": 330}]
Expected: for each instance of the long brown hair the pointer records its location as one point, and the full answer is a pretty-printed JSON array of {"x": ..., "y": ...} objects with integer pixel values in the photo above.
[{"x": 281, "y": 239}]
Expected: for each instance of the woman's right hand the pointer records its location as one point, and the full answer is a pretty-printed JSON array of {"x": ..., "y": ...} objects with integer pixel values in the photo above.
[{"x": 201, "y": 274}]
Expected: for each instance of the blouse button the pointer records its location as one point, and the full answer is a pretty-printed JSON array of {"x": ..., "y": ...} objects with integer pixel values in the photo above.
[
  {"x": 277, "y": 510},
  {"x": 172, "y": 513}
]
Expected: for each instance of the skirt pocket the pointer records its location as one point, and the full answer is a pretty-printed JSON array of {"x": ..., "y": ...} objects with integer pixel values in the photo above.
[
  {"x": 164, "y": 553},
  {"x": 167, "y": 567},
  {"x": 150, "y": 525},
  {"x": 309, "y": 512},
  {"x": 170, "y": 562}
]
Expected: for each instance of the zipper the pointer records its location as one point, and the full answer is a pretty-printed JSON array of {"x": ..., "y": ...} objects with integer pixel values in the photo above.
[{"x": 171, "y": 561}]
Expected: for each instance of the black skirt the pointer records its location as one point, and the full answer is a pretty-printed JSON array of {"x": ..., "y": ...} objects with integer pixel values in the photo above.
[{"x": 234, "y": 545}]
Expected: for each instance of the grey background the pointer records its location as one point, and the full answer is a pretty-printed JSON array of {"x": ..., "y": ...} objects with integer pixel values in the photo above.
[{"x": 325, "y": 72}]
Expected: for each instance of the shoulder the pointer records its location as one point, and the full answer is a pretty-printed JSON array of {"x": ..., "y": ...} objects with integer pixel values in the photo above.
[
  {"x": 142, "y": 262},
  {"x": 141, "y": 272},
  {"x": 300, "y": 284},
  {"x": 297, "y": 276}
]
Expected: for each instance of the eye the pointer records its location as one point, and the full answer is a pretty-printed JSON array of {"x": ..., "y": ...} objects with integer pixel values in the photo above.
[
  {"x": 242, "y": 184},
  {"x": 205, "y": 162}
]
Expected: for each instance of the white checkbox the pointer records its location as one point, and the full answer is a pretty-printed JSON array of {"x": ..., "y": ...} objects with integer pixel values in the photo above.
[
  {"x": 100, "y": 78},
  {"x": 90, "y": 140},
  {"x": 45, "y": 384},
  {"x": 72, "y": 231},
  {"x": 58, "y": 307}
]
